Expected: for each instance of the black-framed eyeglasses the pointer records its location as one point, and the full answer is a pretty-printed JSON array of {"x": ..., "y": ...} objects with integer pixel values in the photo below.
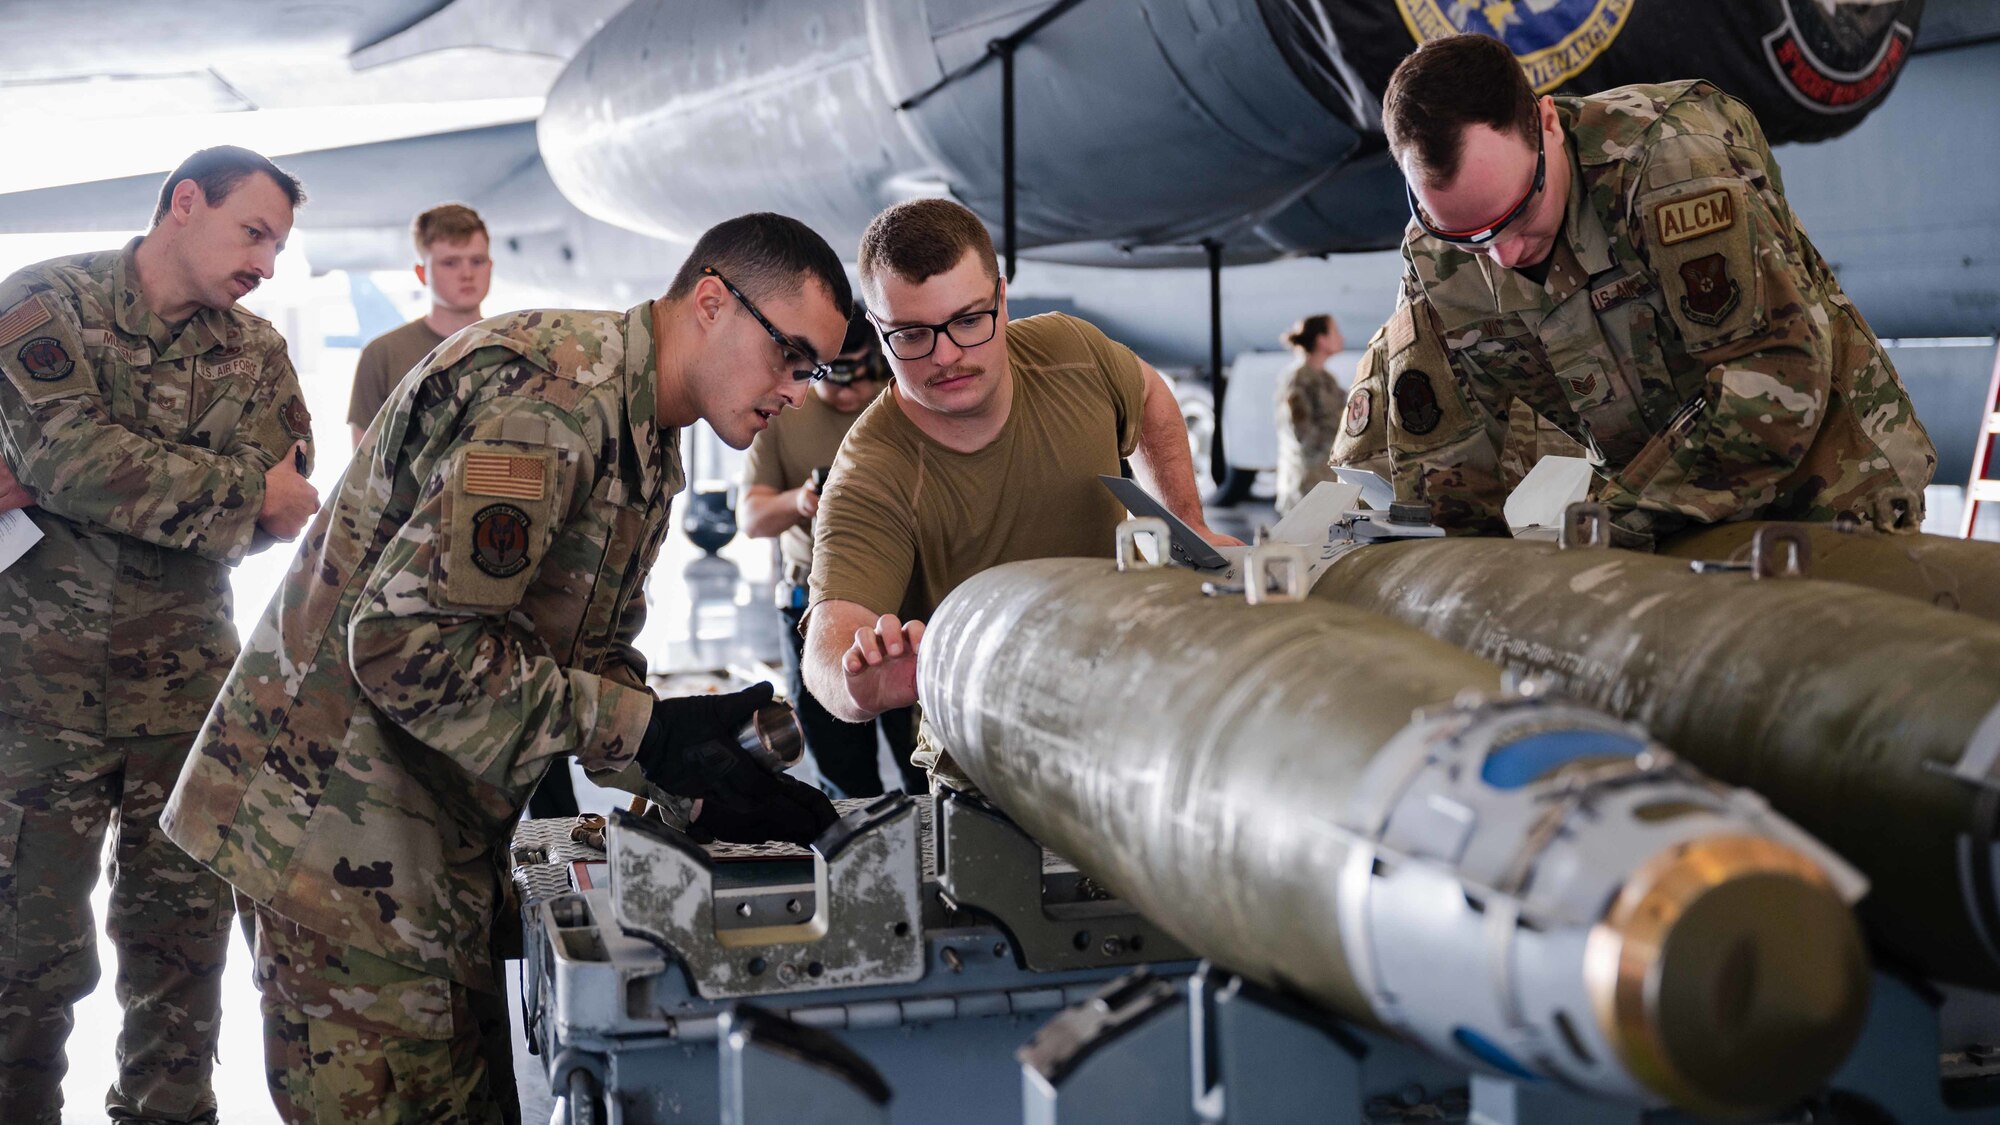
[
  {"x": 1480, "y": 236},
  {"x": 845, "y": 372},
  {"x": 967, "y": 330},
  {"x": 790, "y": 348}
]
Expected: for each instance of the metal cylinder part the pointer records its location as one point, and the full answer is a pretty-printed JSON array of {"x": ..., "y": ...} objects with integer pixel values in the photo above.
[
  {"x": 1960, "y": 574},
  {"x": 772, "y": 736},
  {"x": 1335, "y": 805},
  {"x": 1870, "y": 720}
]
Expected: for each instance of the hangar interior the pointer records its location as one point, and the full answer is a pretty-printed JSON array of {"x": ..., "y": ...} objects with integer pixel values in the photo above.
[{"x": 1354, "y": 822}]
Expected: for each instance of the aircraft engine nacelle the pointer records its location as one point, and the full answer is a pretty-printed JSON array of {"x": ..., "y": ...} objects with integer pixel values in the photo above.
[{"x": 1154, "y": 122}]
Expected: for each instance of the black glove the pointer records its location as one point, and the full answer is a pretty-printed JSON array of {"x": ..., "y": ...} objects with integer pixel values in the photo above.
[
  {"x": 790, "y": 810},
  {"x": 690, "y": 746}
]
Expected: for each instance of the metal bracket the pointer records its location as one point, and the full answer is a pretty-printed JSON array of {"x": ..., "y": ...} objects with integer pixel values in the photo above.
[
  {"x": 864, "y": 928},
  {"x": 1585, "y": 524},
  {"x": 1275, "y": 573},
  {"x": 987, "y": 864},
  {"x": 1126, "y": 545}
]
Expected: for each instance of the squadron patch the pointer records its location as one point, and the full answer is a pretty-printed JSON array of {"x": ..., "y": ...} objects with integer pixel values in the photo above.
[
  {"x": 45, "y": 360},
  {"x": 1711, "y": 294},
  {"x": 1681, "y": 219},
  {"x": 1360, "y": 407},
  {"x": 298, "y": 420},
  {"x": 500, "y": 540},
  {"x": 1416, "y": 403}
]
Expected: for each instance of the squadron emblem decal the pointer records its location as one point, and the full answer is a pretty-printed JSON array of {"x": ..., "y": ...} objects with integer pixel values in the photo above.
[
  {"x": 500, "y": 540},
  {"x": 1554, "y": 39},
  {"x": 1837, "y": 56}
]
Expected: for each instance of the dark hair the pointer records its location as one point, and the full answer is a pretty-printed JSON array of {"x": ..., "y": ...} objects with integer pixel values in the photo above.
[
  {"x": 217, "y": 171},
  {"x": 1307, "y": 332},
  {"x": 922, "y": 238},
  {"x": 764, "y": 255},
  {"x": 447, "y": 222},
  {"x": 860, "y": 333},
  {"x": 1446, "y": 85}
]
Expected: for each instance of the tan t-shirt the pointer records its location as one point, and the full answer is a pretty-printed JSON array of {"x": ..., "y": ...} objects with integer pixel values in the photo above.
[
  {"x": 384, "y": 362},
  {"x": 904, "y": 519},
  {"x": 786, "y": 453}
]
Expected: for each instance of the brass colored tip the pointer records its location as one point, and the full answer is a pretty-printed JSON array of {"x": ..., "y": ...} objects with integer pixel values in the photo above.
[{"x": 1729, "y": 975}]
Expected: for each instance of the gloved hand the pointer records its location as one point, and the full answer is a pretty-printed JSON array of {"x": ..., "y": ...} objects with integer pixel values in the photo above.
[
  {"x": 690, "y": 750},
  {"x": 791, "y": 811},
  {"x": 690, "y": 745}
]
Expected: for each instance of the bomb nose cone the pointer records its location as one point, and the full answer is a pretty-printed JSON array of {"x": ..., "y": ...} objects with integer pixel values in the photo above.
[{"x": 1730, "y": 975}]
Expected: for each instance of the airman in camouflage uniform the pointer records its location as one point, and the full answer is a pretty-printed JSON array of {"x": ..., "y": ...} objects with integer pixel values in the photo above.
[
  {"x": 143, "y": 445},
  {"x": 461, "y": 618},
  {"x": 1687, "y": 333}
]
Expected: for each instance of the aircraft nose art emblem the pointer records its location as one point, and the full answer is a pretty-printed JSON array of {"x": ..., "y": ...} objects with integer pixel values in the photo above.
[{"x": 1554, "y": 39}]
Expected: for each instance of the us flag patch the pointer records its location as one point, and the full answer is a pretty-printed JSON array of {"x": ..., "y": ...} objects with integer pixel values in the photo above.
[
  {"x": 504, "y": 474},
  {"x": 23, "y": 319}
]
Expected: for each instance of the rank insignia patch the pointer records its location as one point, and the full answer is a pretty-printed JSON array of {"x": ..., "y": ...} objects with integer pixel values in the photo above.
[
  {"x": 1416, "y": 403},
  {"x": 500, "y": 540},
  {"x": 1360, "y": 405},
  {"x": 1711, "y": 294},
  {"x": 46, "y": 360}
]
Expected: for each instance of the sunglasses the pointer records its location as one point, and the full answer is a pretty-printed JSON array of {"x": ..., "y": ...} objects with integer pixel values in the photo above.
[
  {"x": 805, "y": 366},
  {"x": 1480, "y": 236}
]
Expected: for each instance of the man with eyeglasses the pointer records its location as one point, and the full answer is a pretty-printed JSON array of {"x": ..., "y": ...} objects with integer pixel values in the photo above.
[
  {"x": 1626, "y": 265},
  {"x": 781, "y": 486},
  {"x": 985, "y": 450},
  {"x": 460, "y": 619}
]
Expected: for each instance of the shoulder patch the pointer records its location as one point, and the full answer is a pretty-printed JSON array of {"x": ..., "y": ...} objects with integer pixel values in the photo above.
[
  {"x": 1709, "y": 294},
  {"x": 23, "y": 318},
  {"x": 500, "y": 540},
  {"x": 1416, "y": 402},
  {"x": 518, "y": 476},
  {"x": 1360, "y": 407},
  {"x": 297, "y": 419},
  {"x": 1691, "y": 216},
  {"x": 45, "y": 360}
]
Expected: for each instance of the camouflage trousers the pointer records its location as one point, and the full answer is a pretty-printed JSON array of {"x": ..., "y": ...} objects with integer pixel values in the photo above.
[
  {"x": 60, "y": 792},
  {"x": 350, "y": 1037}
]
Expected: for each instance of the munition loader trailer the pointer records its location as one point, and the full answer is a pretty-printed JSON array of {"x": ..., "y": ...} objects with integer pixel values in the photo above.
[{"x": 1421, "y": 897}]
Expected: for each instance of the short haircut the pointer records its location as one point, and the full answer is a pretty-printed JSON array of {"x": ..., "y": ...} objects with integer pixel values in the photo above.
[
  {"x": 447, "y": 222},
  {"x": 766, "y": 256},
  {"x": 920, "y": 239},
  {"x": 1307, "y": 332},
  {"x": 1445, "y": 86},
  {"x": 217, "y": 171}
]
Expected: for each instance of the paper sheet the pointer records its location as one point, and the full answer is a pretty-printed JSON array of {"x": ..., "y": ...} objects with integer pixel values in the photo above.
[{"x": 17, "y": 534}]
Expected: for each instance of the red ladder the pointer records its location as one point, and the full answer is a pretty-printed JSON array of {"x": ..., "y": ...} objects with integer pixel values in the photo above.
[{"x": 1984, "y": 487}]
